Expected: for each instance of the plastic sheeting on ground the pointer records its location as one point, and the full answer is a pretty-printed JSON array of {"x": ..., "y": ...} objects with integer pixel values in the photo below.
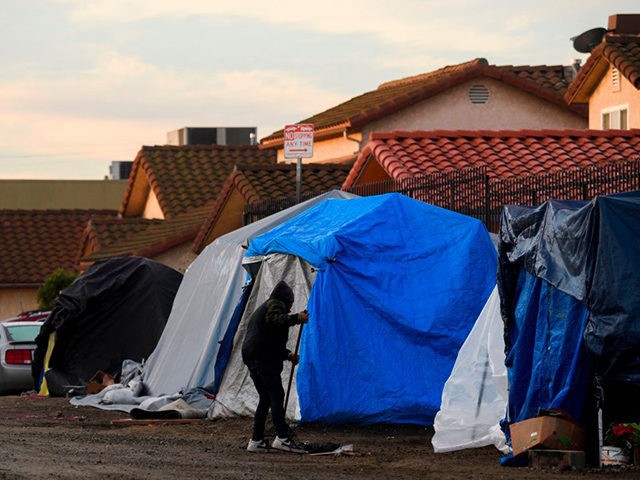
[{"x": 399, "y": 285}]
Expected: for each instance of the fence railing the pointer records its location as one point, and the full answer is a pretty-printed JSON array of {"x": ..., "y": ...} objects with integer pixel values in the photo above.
[
  {"x": 580, "y": 184},
  {"x": 471, "y": 192}
]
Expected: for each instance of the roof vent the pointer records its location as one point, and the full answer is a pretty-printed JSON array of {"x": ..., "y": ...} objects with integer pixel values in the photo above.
[{"x": 478, "y": 94}]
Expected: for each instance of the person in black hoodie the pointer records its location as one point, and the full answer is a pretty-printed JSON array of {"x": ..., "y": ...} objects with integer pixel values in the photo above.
[{"x": 264, "y": 351}]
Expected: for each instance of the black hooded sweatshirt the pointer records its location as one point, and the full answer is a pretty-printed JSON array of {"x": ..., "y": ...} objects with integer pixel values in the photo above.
[{"x": 268, "y": 328}]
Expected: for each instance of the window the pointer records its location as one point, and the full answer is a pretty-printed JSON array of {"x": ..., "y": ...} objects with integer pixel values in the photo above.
[{"x": 615, "y": 118}]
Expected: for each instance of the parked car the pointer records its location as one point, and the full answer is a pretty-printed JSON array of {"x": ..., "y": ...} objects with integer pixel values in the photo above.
[
  {"x": 30, "y": 316},
  {"x": 17, "y": 345}
]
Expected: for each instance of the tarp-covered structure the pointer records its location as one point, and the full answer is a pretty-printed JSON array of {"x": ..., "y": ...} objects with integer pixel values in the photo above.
[
  {"x": 212, "y": 291},
  {"x": 114, "y": 311},
  {"x": 392, "y": 286},
  {"x": 570, "y": 290}
]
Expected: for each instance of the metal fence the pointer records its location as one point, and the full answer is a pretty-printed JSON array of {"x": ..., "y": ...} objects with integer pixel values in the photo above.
[
  {"x": 579, "y": 184},
  {"x": 471, "y": 191}
]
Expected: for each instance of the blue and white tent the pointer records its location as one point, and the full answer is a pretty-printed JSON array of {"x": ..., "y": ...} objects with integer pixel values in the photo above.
[
  {"x": 204, "y": 305},
  {"x": 392, "y": 285}
]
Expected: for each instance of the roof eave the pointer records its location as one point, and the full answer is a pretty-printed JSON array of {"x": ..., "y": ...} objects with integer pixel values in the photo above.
[{"x": 319, "y": 134}]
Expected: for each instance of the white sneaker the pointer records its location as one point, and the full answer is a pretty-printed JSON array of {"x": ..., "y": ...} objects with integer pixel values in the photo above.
[
  {"x": 287, "y": 445},
  {"x": 258, "y": 446}
]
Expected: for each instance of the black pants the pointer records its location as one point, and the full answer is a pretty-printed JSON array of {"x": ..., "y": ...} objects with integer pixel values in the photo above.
[{"x": 266, "y": 378}]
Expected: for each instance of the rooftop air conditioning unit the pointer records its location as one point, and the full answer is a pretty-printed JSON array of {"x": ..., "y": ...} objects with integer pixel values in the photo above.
[{"x": 212, "y": 136}]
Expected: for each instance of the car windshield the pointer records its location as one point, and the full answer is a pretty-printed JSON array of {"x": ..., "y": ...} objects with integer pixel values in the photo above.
[{"x": 23, "y": 333}]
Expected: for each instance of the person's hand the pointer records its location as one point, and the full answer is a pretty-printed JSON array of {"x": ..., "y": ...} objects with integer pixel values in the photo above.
[
  {"x": 294, "y": 358},
  {"x": 303, "y": 317}
]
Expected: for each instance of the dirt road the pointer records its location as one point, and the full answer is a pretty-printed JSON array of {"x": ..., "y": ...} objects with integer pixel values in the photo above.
[{"x": 50, "y": 438}]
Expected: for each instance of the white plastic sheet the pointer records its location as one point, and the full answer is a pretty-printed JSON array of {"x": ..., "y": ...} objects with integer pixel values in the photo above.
[{"x": 474, "y": 398}]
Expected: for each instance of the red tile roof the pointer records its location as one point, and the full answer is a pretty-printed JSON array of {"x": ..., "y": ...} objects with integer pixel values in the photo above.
[
  {"x": 37, "y": 242},
  {"x": 275, "y": 181},
  {"x": 547, "y": 82},
  {"x": 505, "y": 153},
  {"x": 185, "y": 177},
  {"x": 141, "y": 237},
  {"x": 620, "y": 51}
]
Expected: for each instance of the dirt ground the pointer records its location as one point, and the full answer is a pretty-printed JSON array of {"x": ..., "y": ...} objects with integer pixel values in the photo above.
[{"x": 50, "y": 438}]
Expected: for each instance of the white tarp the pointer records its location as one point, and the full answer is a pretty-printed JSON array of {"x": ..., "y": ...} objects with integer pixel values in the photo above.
[
  {"x": 474, "y": 399},
  {"x": 237, "y": 395}
]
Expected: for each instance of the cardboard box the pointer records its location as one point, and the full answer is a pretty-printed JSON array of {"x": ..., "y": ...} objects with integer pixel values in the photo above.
[{"x": 546, "y": 432}]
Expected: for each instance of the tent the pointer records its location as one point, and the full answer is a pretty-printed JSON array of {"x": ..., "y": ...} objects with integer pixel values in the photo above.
[
  {"x": 204, "y": 306},
  {"x": 114, "y": 311},
  {"x": 392, "y": 285},
  {"x": 570, "y": 293}
]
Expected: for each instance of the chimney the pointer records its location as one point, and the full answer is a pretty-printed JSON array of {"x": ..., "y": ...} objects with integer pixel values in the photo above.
[{"x": 624, "y": 24}]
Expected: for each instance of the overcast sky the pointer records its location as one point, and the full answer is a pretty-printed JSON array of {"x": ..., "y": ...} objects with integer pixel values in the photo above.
[{"x": 83, "y": 82}]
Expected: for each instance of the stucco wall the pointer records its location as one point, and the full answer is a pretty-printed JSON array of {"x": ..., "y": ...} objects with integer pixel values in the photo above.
[
  {"x": 606, "y": 96},
  {"x": 328, "y": 149},
  {"x": 152, "y": 207},
  {"x": 17, "y": 300},
  {"x": 508, "y": 108}
]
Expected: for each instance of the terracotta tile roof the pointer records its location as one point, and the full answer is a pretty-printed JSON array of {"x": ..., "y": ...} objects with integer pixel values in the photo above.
[
  {"x": 505, "y": 153},
  {"x": 185, "y": 177},
  {"x": 141, "y": 237},
  {"x": 620, "y": 51},
  {"x": 104, "y": 232},
  {"x": 276, "y": 181},
  {"x": 547, "y": 82},
  {"x": 36, "y": 242}
]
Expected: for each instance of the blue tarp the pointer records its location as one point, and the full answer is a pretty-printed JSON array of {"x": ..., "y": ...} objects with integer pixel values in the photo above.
[
  {"x": 399, "y": 286},
  {"x": 590, "y": 251},
  {"x": 570, "y": 292},
  {"x": 547, "y": 365}
]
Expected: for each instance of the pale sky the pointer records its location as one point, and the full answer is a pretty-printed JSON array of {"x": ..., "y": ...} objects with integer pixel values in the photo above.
[{"x": 84, "y": 82}]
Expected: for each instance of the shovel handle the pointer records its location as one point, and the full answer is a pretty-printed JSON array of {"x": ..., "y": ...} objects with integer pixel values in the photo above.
[{"x": 293, "y": 367}]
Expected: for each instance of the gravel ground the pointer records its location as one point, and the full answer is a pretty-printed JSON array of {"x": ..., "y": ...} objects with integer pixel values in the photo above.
[{"x": 50, "y": 438}]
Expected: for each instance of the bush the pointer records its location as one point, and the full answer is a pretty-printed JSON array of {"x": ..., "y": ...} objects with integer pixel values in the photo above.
[{"x": 52, "y": 286}]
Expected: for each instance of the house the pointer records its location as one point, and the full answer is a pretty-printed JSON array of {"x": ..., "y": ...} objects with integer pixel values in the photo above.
[
  {"x": 165, "y": 241},
  {"x": 505, "y": 153},
  {"x": 478, "y": 172},
  {"x": 168, "y": 180},
  {"x": 180, "y": 198},
  {"x": 470, "y": 96},
  {"x": 251, "y": 184},
  {"x": 178, "y": 240},
  {"x": 609, "y": 82},
  {"x": 34, "y": 244},
  {"x": 170, "y": 192}
]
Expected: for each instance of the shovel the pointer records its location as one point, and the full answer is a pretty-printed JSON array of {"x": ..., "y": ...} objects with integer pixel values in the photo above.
[{"x": 293, "y": 367}]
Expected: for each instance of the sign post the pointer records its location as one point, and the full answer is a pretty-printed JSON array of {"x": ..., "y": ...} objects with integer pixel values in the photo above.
[{"x": 298, "y": 144}]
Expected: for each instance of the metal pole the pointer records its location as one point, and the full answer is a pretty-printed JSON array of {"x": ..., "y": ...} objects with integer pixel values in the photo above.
[
  {"x": 299, "y": 180},
  {"x": 293, "y": 367}
]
